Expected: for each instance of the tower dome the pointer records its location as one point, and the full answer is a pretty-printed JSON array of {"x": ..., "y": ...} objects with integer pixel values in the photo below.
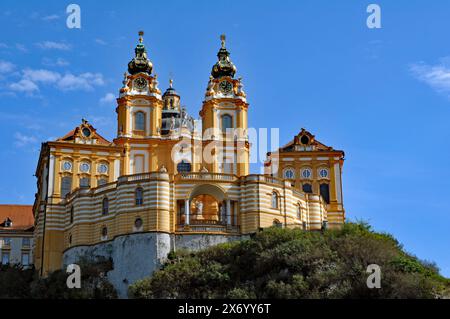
[
  {"x": 171, "y": 98},
  {"x": 223, "y": 67},
  {"x": 140, "y": 62}
]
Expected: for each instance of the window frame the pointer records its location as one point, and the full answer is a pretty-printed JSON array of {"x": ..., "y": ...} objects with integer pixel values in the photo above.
[
  {"x": 136, "y": 199},
  {"x": 64, "y": 178},
  {"x": 105, "y": 206},
  {"x": 222, "y": 117},
  {"x": 135, "y": 122},
  {"x": 275, "y": 196}
]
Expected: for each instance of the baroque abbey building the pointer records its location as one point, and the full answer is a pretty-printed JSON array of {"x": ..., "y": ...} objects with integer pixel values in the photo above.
[{"x": 168, "y": 181}]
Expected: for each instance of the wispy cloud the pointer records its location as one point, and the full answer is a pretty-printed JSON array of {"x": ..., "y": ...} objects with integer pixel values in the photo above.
[
  {"x": 101, "y": 42},
  {"x": 21, "y": 47},
  {"x": 57, "y": 62},
  {"x": 51, "y": 17},
  {"x": 25, "y": 86},
  {"x": 6, "y": 66},
  {"x": 51, "y": 45},
  {"x": 32, "y": 78},
  {"x": 108, "y": 98},
  {"x": 21, "y": 140},
  {"x": 436, "y": 76}
]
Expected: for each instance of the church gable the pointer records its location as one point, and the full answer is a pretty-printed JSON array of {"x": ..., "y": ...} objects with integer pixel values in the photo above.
[
  {"x": 85, "y": 133},
  {"x": 305, "y": 141}
]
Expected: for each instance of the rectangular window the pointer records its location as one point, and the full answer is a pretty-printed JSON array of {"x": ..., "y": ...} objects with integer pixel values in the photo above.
[
  {"x": 25, "y": 259},
  {"x": 325, "y": 192},
  {"x": 138, "y": 164},
  {"x": 5, "y": 258},
  {"x": 25, "y": 242},
  {"x": 6, "y": 241},
  {"x": 66, "y": 186},
  {"x": 85, "y": 182}
]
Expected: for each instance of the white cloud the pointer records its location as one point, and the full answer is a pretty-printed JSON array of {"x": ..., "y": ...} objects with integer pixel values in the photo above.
[
  {"x": 21, "y": 47},
  {"x": 51, "y": 45},
  {"x": 65, "y": 82},
  {"x": 3, "y": 45},
  {"x": 41, "y": 75},
  {"x": 84, "y": 81},
  {"x": 25, "y": 86},
  {"x": 108, "y": 98},
  {"x": 51, "y": 17},
  {"x": 101, "y": 42},
  {"x": 22, "y": 140},
  {"x": 436, "y": 76},
  {"x": 6, "y": 66},
  {"x": 57, "y": 62}
]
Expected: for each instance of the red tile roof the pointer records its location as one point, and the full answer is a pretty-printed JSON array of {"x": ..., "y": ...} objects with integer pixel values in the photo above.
[{"x": 21, "y": 216}]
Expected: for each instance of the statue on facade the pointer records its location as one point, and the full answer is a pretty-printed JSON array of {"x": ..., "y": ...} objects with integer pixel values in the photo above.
[
  {"x": 199, "y": 208},
  {"x": 172, "y": 123},
  {"x": 163, "y": 169}
]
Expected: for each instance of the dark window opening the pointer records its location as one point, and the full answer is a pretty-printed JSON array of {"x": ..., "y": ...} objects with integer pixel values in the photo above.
[
  {"x": 307, "y": 188},
  {"x": 325, "y": 192}
]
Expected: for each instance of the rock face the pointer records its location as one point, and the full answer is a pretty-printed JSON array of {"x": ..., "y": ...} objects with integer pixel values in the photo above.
[{"x": 136, "y": 256}]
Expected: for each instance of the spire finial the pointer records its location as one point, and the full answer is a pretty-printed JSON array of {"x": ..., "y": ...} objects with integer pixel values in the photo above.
[
  {"x": 141, "y": 36},
  {"x": 222, "y": 39},
  {"x": 171, "y": 83}
]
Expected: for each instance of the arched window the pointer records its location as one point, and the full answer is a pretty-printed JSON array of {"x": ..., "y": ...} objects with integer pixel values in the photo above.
[
  {"x": 105, "y": 206},
  {"x": 71, "y": 214},
  {"x": 104, "y": 233},
  {"x": 307, "y": 188},
  {"x": 299, "y": 211},
  {"x": 139, "y": 196},
  {"x": 325, "y": 192},
  {"x": 139, "y": 121},
  {"x": 66, "y": 186},
  {"x": 138, "y": 223},
  {"x": 274, "y": 200},
  {"x": 226, "y": 122}
]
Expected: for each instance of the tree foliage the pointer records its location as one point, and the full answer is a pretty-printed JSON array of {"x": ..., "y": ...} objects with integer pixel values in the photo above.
[
  {"x": 17, "y": 282},
  {"x": 291, "y": 263}
]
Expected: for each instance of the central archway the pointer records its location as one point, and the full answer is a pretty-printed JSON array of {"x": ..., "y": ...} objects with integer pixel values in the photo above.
[{"x": 207, "y": 204}]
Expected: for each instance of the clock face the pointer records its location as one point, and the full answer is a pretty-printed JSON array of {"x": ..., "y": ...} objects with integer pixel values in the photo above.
[
  {"x": 225, "y": 87},
  {"x": 86, "y": 132},
  {"x": 140, "y": 84}
]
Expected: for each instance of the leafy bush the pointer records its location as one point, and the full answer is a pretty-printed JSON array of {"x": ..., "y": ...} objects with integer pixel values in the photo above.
[
  {"x": 16, "y": 282},
  {"x": 291, "y": 263}
]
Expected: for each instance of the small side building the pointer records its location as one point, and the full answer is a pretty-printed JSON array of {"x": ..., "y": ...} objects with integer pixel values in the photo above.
[{"x": 16, "y": 234}]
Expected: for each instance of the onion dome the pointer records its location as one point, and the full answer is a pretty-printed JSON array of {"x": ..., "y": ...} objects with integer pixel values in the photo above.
[
  {"x": 170, "y": 90},
  {"x": 224, "y": 67},
  {"x": 140, "y": 63}
]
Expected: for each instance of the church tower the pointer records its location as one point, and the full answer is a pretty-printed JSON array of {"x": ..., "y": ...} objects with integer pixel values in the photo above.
[
  {"x": 139, "y": 110},
  {"x": 224, "y": 119}
]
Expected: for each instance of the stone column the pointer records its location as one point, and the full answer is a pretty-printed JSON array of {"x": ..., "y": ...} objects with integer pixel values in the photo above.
[
  {"x": 228, "y": 203},
  {"x": 186, "y": 212}
]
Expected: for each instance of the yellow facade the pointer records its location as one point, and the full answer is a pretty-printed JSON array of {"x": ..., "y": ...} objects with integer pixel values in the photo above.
[{"x": 168, "y": 173}]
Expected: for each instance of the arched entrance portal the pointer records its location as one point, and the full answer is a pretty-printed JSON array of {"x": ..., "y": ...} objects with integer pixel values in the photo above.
[{"x": 207, "y": 205}]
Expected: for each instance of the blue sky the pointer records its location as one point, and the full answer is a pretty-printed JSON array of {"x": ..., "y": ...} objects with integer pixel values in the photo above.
[{"x": 382, "y": 95}]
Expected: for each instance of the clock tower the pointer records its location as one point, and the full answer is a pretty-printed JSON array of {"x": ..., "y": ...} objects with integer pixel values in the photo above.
[
  {"x": 224, "y": 119},
  {"x": 138, "y": 109}
]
